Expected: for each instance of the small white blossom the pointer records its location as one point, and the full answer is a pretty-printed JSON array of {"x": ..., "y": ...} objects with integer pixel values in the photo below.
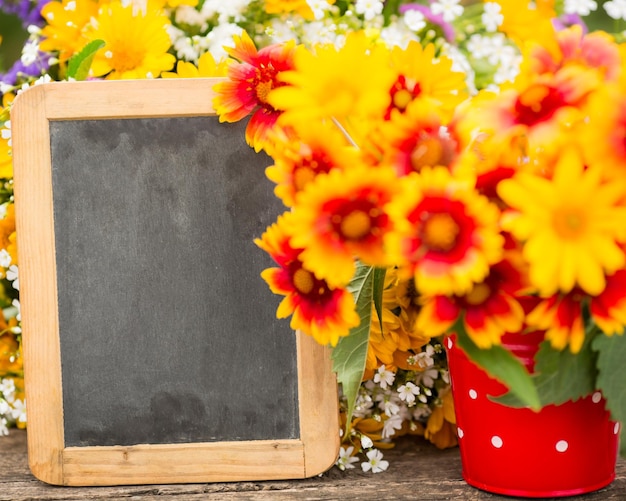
[
  {"x": 7, "y": 388},
  {"x": 369, "y": 9},
  {"x": 319, "y": 7},
  {"x": 427, "y": 378},
  {"x": 30, "y": 52},
  {"x": 397, "y": 35},
  {"x": 5, "y": 133},
  {"x": 13, "y": 276},
  {"x": 222, "y": 36},
  {"x": 580, "y": 7},
  {"x": 391, "y": 425},
  {"x": 450, "y": 9},
  {"x": 390, "y": 406},
  {"x": 16, "y": 305},
  {"x": 415, "y": 20},
  {"x": 3, "y": 427},
  {"x": 346, "y": 459},
  {"x": 616, "y": 9},
  {"x": 19, "y": 411},
  {"x": 384, "y": 377},
  {"x": 376, "y": 463},
  {"x": 492, "y": 17},
  {"x": 366, "y": 442},
  {"x": 5, "y": 258},
  {"x": 407, "y": 392}
]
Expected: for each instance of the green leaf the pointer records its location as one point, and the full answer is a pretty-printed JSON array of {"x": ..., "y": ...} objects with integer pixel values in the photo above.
[
  {"x": 379, "y": 287},
  {"x": 612, "y": 377},
  {"x": 561, "y": 376},
  {"x": 351, "y": 351},
  {"x": 79, "y": 64},
  {"x": 502, "y": 365}
]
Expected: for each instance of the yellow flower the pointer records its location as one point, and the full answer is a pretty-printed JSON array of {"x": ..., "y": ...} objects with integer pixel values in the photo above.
[
  {"x": 299, "y": 7},
  {"x": 353, "y": 81},
  {"x": 441, "y": 425},
  {"x": 207, "y": 67},
  {"x": 7, "y": 232},
  {"x": 67, "y": 24},
  {"x": 421, "y": 76},
  {"x": 571, "y": 225},
  {"x": 526, "y": 24},
  {"x": 136, "y": 43}
]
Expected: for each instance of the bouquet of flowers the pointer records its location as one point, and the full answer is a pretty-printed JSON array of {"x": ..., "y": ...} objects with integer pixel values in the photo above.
[{"x": 423, "y": 151}]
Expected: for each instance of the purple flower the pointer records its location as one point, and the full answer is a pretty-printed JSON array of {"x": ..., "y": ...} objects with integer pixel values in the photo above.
[
  {"x": 446, "y": 28},
  {"x": 566, "y": 20},
  {"x": 20, "y": 72},
  {"x": 28, "y": 11}
]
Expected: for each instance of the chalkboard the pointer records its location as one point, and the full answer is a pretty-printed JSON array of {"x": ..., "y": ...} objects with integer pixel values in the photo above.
[{"x": 151, "y": 348}]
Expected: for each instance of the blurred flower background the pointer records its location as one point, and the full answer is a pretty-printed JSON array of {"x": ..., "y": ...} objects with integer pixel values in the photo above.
[{"x": 456, "y": 49}]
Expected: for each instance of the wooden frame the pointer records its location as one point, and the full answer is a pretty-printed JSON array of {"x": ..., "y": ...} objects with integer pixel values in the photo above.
[{"x": 49, "y": 459}]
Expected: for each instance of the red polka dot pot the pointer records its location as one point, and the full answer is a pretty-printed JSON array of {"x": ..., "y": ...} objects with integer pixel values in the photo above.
[{"x": 559, "y": 451}]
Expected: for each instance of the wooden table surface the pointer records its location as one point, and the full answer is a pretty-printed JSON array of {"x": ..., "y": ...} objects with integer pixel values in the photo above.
[{"x": 417, "y": 471}]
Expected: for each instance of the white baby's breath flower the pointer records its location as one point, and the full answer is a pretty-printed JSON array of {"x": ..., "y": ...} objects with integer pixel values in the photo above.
[
  {"x": 369, "y": 9},
  {"x": 383, "y": 377},
  {"x": 7, "y": 389},
  {"x": 492, "y": 16},
  {"x": 376, "y": 463},
  {"x": 222, "y": 36},
  {"x": 19, "y": 411},
  {"x": 616, "y": 9},
  {"x": 5, "y": 133},
  {"x": 427, "y": 378},
  {"x": 580, "y": 7},
  {"x": 319, "y": 7},
  {"x": 407, "y": 392},
  {"x": 415, "y": 20},
  {"x": 391, "y": 425},
  {"x": 16, "y": 305},
  {"x": 397, "y": 35},
  {"x": 366, "y": 442},
  {"x": 4, "y": 430},
  {"x": 346, "y": 458},
  {"x": 13, "y": 277},
  {"x": 449, "y": 9},
  {"x": 5, "y": 258},
  {"x": 30, "y": 52}
]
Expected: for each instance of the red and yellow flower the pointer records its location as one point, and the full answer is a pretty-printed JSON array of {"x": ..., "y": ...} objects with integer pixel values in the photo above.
[
  {"x": 488, "y": 311},
  {"x": 251, "y": 78},
  {"x": 445, "y": 234},
  {"x": 324, "y": 312},
  {"x": 341, "y": 217}
]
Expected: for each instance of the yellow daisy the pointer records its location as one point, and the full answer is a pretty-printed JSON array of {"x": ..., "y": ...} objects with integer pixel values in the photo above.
[
  {"x": 422, "y": 75},
  {"x": 571, "y": 225},
  {"x": 207, "y": 67},
  {"x": 67, "y": 22},
  {"x": 352, "y": 81},
  {"x": 136, "y": 43}
]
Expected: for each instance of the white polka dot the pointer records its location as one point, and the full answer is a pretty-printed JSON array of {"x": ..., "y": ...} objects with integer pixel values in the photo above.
[
  {"x": 616, "y": 428},
  {"x": 596, "y": 397},
  {"x": 562, "y": 445},
  {"x": 450, "y": 344},
  {"x": 473, "y": 395},
  {"x": 496, "y": 441},
  {"x": 460, "y": 432}
]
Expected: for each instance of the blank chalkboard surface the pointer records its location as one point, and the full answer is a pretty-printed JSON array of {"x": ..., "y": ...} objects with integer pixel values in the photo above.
[{"x": 151, "y": 348}]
